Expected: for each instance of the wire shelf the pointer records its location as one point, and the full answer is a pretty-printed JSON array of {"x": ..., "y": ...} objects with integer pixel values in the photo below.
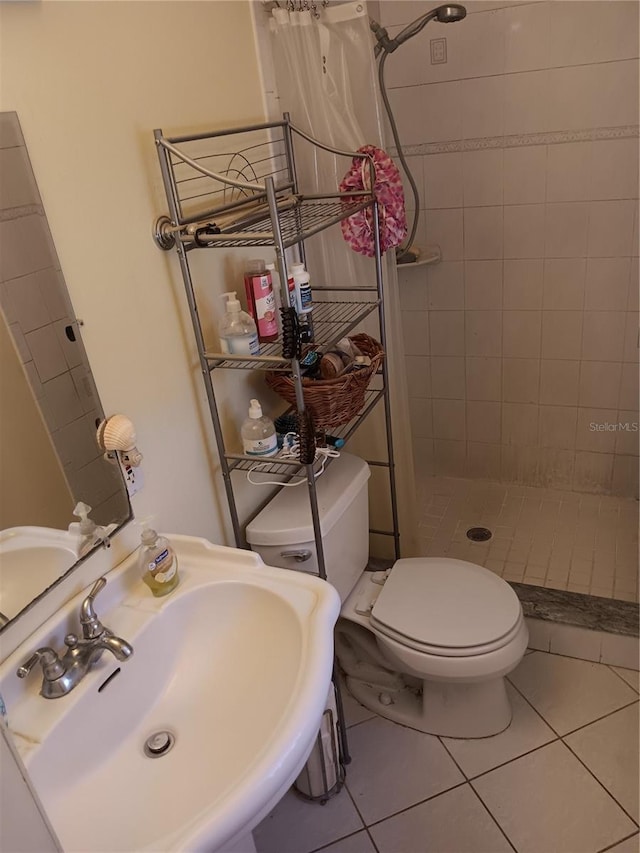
[
  {"x": 291, "y": 467},
  {"x": 331, "y": 321},
  {"x": 308, "y": 216}
]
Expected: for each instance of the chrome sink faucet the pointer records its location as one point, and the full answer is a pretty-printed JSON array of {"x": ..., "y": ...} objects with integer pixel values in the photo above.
[{"x": 61, "y": 674}]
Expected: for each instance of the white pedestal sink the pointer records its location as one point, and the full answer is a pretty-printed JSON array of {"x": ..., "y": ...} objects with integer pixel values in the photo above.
[{"x": 234, "y": 665}]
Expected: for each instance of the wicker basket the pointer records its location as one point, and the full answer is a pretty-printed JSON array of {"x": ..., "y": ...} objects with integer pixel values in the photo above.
[{"x": 333, "y": 402}]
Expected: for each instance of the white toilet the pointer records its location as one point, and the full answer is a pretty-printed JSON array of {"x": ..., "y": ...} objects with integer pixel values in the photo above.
[{"x": 426, "y": 643}]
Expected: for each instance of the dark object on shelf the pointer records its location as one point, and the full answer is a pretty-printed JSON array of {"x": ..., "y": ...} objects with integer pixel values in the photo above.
[
  {"x": 333, "y": 402},
  {"x": 306, "y": 437},
  {"x": 291, "y": 344}
]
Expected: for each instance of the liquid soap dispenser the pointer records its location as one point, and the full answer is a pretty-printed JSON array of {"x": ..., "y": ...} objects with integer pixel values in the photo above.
[
  {"x": 237, "y": 330},
  {"x": 157, "y": 561},
  {"x": 88, "y": 533}
]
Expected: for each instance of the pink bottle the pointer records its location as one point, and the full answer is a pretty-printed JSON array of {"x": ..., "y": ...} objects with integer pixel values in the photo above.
[{"x": 261, "y": 302}]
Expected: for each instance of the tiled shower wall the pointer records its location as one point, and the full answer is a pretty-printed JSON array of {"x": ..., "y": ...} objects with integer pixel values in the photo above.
[{"x": 522, "y": 344}]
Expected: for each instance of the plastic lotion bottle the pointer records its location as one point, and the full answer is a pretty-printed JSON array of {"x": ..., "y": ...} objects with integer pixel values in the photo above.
[
  {"x": 157, "y": 561},
  {"x": 238, "y": 333},
  {"x": 258, "y": 433},
  {"x": 260, "y": 299}
]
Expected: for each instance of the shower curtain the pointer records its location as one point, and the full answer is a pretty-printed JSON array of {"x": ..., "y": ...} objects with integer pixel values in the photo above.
[
  {"x": 326, "y": 77},
  {"x": 326, "y": 80}
]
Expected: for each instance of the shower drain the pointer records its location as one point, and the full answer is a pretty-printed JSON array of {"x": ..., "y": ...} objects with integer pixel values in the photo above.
[
  {"x": 479, "y": 534},
  {"x": 158, "y": 744}
]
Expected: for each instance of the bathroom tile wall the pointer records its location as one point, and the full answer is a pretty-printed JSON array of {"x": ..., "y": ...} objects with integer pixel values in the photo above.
[
  {"x": 525, "y": 149},
  {"x": 38, "y": 312}
]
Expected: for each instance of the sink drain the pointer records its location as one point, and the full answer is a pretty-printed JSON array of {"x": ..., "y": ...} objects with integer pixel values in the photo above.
[
  {"x": 479, "y": 534},
  {"x": 158, "y": 744}
]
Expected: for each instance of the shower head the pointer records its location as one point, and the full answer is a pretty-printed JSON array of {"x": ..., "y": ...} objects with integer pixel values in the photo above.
[
  {"x": 447, "y": 14},
  {"x": 450, "y": 14}
]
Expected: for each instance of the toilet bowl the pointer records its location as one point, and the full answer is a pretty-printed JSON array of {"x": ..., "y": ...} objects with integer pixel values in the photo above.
[
  {"x": 448, "y": 631},
  {"x": 426, "y": 643}
]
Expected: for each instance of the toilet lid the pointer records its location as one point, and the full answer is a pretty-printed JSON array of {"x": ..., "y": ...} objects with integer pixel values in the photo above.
[{"x": 446, "y": 603}]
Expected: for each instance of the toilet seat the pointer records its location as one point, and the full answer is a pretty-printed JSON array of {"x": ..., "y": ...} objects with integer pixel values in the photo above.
[{"x": 446, "y": 607}]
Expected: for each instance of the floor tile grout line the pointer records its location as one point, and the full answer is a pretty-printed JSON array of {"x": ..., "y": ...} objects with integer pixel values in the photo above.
[
  {"x": 615, "y": 843},
  {"x": 611, "y": 667},
  {"x": 342, "y": 838},
  {"x": 603, "y": 717},
  {"x": 450, "y": 754},
  {"x": 419, "y": 803},
  {"x": 602, "y": 785},
  {"x": 361, "y": 816},
  {"x": 515, "y": 758},
  {"x": 493, "y": 818}
]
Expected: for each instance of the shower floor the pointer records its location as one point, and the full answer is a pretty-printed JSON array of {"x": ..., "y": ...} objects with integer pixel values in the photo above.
[{"x": 540, "y": 537}]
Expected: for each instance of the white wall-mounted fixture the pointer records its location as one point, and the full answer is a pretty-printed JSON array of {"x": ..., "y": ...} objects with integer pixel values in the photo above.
[{"x": 116, "y": 436}]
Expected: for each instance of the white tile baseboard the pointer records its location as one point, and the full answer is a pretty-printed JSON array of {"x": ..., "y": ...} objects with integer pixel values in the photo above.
[{"x": 576, "y": 642}]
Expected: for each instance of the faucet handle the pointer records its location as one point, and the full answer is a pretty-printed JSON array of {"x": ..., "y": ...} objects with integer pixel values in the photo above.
[
  {"x": 91, "y": 625},
  {"x": 52, "y": 667}
]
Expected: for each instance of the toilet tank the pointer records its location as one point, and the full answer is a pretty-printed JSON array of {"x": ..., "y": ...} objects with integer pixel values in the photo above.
[{"x": 283, "y": 532}]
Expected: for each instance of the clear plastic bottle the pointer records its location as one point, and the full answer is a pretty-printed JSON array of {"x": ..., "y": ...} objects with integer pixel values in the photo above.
[
  {"x": 258, "y": 433},
  {"x": 237, "y": 330},
  {"x": 157, "y": 562}
]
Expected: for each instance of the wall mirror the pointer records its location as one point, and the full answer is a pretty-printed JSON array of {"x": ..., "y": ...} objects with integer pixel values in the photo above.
[{"x": 49, "y": 405}]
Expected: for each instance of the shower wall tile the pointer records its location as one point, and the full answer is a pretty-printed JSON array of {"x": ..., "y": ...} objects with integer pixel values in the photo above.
[
  {"x": 610, "y": 228},
  {"x": 482, "y": 175},
  {"x": 599, "y": 384},
  {"x": 523, "y": 284},
  {"x": 447, "y": 332},
  {"x": 603, "y": 335},
  {"x": 483, "y": 333},
  {"x": 483, "y": 285},
  {"x": 483, "y": 378},
  {"x": 562, "y": 334},
  {"x": 521, "y": 334},
  {"x": 445, "y": 286},
  {"x": 593, "y": 430},
  {"x": 443, "y": 185},
  {"x": 559, "y": 382},
  {"x": 415, "y": 327},
  {"x": 607, "y": 284},
  {"x": 449, "y": 420},
  {"x": 483, "y": 237},
  {"x": 526, "y": 37},
  {"x": 541, "y": 316},
  {"x": 445, "y": 228},
  {"x": 569, "y": 171},
  {"x": 521, "y": 380},
  {"x": 564, "y": 283},
  {"x": 614, "y": 169},
  {"x": 566, "y": 228},
  {"x": 629, "y": 396},
  {"x": 525, "y": 174},
  {"x": 418, "y": 370},
  {"x": 627, "y": 435},
  {"x": 524, "y": 231},
  {"x": 448, "y": 377},
  {"x": 19, "y": 188},
  {"x": 557, "y": 426},
  {"x": 482, "y": 101}
]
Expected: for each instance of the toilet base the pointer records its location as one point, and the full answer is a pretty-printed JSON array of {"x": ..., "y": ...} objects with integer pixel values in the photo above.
[{"x": 446, "y": 708}]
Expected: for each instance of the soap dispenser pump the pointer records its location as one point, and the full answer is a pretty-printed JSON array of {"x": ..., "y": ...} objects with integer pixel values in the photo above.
[
  {"x": 88, "y": 533},
  {"x": 158, "y": 562}
]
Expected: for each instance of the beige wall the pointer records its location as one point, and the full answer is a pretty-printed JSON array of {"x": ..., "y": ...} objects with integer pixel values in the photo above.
[
  {"x": 525, "y": 148},
  {"x": 90, "y": 81},
  {"x": 27, "y": 455}
]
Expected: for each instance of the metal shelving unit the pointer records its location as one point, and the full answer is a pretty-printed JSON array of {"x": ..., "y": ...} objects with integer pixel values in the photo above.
[{"x": 238, "y": 188}]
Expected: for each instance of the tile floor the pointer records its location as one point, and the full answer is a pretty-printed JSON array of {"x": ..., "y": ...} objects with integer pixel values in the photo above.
[
  {"x": 543, "y": 537},
  {"x": 563, "y": 778}
]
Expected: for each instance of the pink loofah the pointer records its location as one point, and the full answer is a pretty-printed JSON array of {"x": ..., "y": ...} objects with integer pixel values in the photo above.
[{"x": 357, "y": 230}]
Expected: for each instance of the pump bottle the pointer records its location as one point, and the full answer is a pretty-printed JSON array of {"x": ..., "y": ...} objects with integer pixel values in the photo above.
[
  {"x": 237, "y": 330},
  {"x": 157, "y": 561},
  {"x": 258, "y": 433}
]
